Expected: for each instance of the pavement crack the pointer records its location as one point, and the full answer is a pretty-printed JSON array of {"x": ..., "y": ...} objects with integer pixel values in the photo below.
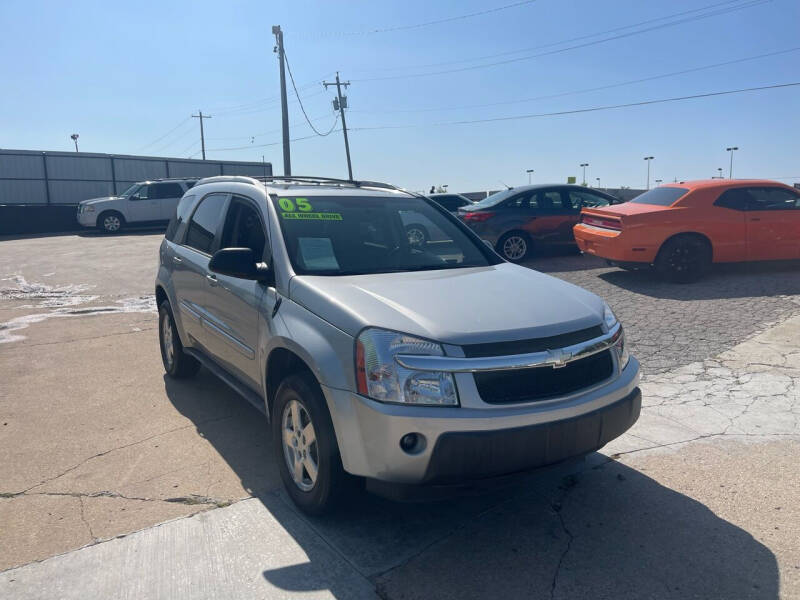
[
  {"x": 85, "y": 522},
  {"x": 568, "y": 483},
  {"x": 99, "y": 454}
]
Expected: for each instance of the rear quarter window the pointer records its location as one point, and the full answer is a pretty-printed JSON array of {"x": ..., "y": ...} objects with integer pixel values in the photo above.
[
  {"x": 663, "y": 196},
  {"x": 179, "y": 218}
]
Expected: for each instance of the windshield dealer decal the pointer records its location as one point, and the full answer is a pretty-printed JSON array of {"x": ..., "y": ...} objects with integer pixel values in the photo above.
[{"x": 301, "y": 209}]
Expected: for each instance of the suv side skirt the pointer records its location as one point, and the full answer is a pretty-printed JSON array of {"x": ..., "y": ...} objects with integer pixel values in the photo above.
[{"x": 231, "y": 380}]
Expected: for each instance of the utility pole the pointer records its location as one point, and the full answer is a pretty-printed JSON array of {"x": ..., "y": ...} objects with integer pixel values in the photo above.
[
  {"x": 648, "y": 159},
  {"x": 287, "y": 156},
  {"x": 201, "y": 116},
  {"x": 732, "y": 149},
  {"x": 340, "y": 103}
]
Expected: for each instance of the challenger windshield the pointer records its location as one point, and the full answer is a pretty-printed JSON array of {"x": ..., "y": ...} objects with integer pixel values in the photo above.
[{"x": 354, "y": 235}]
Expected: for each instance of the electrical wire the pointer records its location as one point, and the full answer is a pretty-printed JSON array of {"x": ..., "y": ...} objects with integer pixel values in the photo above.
[
  {"x": 300, "y": 102},
  {"x": 298, "y": 139},
  {"x": 434, "y": 22},
  {"x": 566, "y": 41},
  {"x": 581, "y": 110},
  {"x": 748, "y": 4},
  {"x": 591, "y": 89},
  {"x": 163, "y": 136}
]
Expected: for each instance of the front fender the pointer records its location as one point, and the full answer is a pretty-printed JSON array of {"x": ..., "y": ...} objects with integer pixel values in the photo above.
[{"x": 326, "y": 350}]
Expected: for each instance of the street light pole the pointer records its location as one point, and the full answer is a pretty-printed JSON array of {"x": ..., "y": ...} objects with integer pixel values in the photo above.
[
  {"x": 584, "y": 165},
  {"x": 598, "y": 182},
  {"x": 731, "y": 150},
  {"x": 719, "y": 172},
  {"x": 74, "y": 137},
  {"x": 529, "y": 171},
  {"x": 648, "y": 159}
]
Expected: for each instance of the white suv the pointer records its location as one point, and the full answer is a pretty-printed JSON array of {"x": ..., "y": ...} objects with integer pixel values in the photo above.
[{"x": 144, "y": 202}]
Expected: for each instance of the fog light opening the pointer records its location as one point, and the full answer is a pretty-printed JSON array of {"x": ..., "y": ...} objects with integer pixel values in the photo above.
[{"x": 412, "y": 443}]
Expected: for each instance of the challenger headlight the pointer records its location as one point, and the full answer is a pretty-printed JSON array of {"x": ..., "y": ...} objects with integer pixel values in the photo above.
[
  {"x": 620, "y": 347},
  {"x": 380, "y": 377}
]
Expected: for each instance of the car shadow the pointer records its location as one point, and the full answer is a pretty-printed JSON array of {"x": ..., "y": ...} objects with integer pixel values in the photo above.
[
  {"x": 737, "y": 280},
  {"x": 606, "y": 531},
  {"x": 562, "y": 259}
]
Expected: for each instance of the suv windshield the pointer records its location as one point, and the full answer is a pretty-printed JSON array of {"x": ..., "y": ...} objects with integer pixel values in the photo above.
[
  {"x": 662, "y": 196},
  {"x": 130, "y": 190},
  {"x": 354, "y": 235}
]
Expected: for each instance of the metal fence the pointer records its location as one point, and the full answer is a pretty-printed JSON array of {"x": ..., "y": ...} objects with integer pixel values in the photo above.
[{"x": 29, "y": 177}]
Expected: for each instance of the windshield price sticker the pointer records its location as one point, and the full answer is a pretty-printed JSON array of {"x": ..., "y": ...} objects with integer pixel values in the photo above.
[{"x": 290, "y": 209}]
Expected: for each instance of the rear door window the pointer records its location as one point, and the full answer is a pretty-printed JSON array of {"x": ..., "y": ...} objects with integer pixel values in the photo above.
[
  {"x": 552, "y": 201},
  {"x": 159, "y": 191},
  {"x": 587, "y": 199},
  {"x": 204, "y": 223}
]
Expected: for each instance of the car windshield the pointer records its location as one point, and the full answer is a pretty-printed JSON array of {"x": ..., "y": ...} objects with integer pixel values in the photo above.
[
  {"x": 492, "y": 199},
  {"x": 355, "y": 235},
  {"x": 130, "y": 190},
  {"x": 662, "y": 196}
]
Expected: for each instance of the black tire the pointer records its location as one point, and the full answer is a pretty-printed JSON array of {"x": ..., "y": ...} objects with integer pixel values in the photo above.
[
  {"x": 177, "y": 363},
  {"x": 514, "y": 246},
  {"x": 110, "y": 221},
  {"x": 684, "y": 259},
  {"x": 331, "y": 481},
  {"x": 417, "y": 234}
]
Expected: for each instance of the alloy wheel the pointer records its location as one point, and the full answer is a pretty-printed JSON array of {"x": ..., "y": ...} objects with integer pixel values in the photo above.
[
  {"x": 167, "y": 341},
  {"x": 111, "y": 223},
  {"x": 515, "y": 247},
  {"x": 300, "y": 445}
]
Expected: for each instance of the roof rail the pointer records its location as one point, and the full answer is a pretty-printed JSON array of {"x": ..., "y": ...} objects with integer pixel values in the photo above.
[
  {"x": 228, "y": 178},
  {"x": 323, "y": 180}
]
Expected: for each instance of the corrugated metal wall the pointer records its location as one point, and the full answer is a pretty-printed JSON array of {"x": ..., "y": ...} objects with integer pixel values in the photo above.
[{"x": 30, "y": 177}]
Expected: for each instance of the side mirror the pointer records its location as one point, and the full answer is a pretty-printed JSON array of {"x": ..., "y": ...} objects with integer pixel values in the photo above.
[{"x": 240, "y": 263}]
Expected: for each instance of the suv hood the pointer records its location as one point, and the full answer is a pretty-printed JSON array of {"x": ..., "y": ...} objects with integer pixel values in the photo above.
[
  {"x": 99, "y": 200},
  {"x": 497, "y": 303}
]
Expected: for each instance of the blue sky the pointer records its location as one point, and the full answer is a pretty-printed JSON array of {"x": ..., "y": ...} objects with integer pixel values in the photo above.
[{"x": 124, "y": 74}]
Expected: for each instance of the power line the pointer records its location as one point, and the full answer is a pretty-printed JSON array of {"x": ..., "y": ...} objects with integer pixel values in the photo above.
[
  {"x": 566, "y": 41},
  {"x": 583, "y": 110},
  {"x": 749, "y": 4},
  {"x": 163, "y": 136},
  {"x": 591, "y": 89},
  {"x": 434, "y": 22},
  {"x": 298, "y": 139},
  {"x": 302, "y": 108}
]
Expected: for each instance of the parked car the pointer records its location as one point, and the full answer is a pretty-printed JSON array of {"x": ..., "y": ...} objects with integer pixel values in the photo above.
[
  {"x": 421, "y": 233},
  {"x": 146, "y": 202},
  {"x": 517, "y": 220},
  {"x": 682, "y": 228},
  {"x": 306, "y": 297}
]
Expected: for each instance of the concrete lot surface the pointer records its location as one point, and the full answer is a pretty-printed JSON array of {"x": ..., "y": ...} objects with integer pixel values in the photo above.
[{"x": 126, "y": 484}]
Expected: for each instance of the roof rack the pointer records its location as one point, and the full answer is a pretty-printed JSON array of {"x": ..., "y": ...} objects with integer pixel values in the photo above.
[{"x": 324, "y": 180}]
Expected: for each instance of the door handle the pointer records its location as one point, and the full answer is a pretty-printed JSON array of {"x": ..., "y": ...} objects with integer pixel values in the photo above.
[
  {"x": 212, "y": 280},
  {"x": 177, "y": 260}
]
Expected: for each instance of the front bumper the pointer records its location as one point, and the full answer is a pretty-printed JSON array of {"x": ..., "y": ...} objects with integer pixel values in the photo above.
[
  {"x": 87, "y": 219},
  {"x": 472, "y": 443}
]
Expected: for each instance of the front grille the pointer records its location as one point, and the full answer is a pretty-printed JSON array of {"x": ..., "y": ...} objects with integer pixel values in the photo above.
[
  {"x": 534, "y": 345},
  {"x": 542, "y": 383}
]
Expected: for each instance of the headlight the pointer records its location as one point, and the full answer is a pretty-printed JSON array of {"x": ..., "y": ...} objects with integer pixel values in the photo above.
[
  {"x": 88, "y": 208},
  {"x": 380, "y": 377},
  {"x": 620, "y": 347},
  {"x": 609, "y": 317}
]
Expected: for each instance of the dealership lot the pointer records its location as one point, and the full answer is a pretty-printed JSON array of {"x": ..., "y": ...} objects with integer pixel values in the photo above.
[{"x": 698, "y": 500}]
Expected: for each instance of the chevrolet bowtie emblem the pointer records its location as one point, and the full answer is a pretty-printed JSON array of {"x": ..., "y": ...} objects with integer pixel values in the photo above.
[{"x": 559, "y": 358}]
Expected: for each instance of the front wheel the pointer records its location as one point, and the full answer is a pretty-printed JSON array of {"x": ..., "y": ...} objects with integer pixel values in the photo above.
[
  {"x": 514, "y": 246},
  {"x": 684, "y": 259},
  {"x": 110, "y": 222},
  {"x": 305, "y": 445}
]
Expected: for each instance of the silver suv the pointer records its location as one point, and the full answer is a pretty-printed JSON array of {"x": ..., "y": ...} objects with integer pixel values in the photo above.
[
  {"x": 376, "y": 358},
  {"x": 146, "y": 202}
]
